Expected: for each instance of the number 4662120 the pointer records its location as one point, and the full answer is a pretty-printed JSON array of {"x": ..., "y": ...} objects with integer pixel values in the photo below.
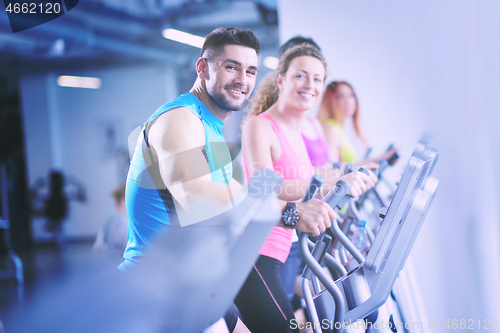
[
  {"x": 33, "y": 8},
  {"x": 471, "y": 324}
]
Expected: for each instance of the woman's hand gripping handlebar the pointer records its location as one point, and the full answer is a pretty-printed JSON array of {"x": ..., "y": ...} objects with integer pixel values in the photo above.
[
  {"x": 359, "y": 181},
  {"x": 315, "y": 216}
]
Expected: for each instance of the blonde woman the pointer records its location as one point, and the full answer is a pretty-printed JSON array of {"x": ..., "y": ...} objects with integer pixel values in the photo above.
[{"x": 271, "y": 138}]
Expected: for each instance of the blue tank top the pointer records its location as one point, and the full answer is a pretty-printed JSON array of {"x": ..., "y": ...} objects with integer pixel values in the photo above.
[{"x": 150, "y": 206}]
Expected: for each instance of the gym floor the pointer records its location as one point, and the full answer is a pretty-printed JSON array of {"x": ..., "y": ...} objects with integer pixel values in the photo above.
[{"x": 44, "y": 264}]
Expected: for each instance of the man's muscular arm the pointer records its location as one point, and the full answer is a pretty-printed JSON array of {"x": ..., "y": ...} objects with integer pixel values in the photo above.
[{"x": 177, "y": 137}]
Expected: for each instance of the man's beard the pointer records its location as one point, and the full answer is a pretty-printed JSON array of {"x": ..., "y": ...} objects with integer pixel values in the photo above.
[{"x": 221, "y": 101}]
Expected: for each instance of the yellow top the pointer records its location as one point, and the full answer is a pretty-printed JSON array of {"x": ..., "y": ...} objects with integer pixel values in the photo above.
[{"x": 347, "y": 152}]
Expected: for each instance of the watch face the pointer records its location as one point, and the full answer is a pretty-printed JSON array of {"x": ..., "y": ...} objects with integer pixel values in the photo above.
[{"x": 290, "y": 216}]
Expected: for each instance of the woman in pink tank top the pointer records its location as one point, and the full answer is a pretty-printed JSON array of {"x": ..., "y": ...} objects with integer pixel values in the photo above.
[
  {"x": 271, "y": 138},
  {"x": 316, "y": 144}
]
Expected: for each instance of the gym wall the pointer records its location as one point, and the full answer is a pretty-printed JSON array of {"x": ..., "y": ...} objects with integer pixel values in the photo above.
[
  {"x": 65, "y": 129},
  {"x": 428, "y": 66}
]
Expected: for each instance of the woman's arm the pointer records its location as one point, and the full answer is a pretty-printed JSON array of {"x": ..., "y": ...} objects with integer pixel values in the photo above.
[
  {"x": 383, "y": 156},
  {"x": 256, "y": 140}
]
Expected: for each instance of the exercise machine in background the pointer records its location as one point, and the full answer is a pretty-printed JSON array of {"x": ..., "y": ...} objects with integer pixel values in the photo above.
[{"x": 365, "y": 283}]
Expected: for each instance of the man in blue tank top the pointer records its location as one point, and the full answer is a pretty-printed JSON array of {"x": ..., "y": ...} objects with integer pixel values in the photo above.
[{"x": 181, "y": 154}]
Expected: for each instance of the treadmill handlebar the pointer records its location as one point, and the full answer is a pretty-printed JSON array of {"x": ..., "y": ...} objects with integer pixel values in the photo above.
[
  {"x": 363, "y": 170},
  {"x": 382, "y": 165},
  {"x": 349, "y": 168},
  {"x": 338, "y": 195},
  {"x": 393, "y": 158},
  {"x": 329, "y": 284},
  {"x": 314, "y": 187},
  {"x": 318, "y": 253}
]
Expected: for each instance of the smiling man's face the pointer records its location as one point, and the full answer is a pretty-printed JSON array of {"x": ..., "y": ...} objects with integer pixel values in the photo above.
[{"x": 231, "y": 77}]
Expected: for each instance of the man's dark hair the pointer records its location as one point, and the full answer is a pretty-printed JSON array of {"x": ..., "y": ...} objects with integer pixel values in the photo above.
[
  {"x": 296, "y": 41},
  {"x": 216, "y": 41}
]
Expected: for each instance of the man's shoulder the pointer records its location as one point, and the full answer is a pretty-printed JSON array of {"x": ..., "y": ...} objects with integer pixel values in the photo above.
[
  {"x": 187, "y": 101},
  {"x": 178, "y": 129},
  {"x": 177, "y": 123},
  {"x": 178, "y": 117},
  {"x": 182, "y": 109}
]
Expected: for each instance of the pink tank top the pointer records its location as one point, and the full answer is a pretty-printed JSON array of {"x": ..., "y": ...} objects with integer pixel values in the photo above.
[
  {"x": 317, "y": 149},
  {"x": 289, "y": 166}
]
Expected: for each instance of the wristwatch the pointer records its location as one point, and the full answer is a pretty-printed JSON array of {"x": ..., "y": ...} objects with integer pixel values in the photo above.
[{"x": 290, "y": 215}]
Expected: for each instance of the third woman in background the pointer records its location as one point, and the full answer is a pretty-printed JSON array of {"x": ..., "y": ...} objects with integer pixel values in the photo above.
[{"x": 339, "y": 104}]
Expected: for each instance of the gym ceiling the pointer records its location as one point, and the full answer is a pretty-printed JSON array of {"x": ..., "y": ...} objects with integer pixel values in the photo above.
[{"x": 100, "y": 33}]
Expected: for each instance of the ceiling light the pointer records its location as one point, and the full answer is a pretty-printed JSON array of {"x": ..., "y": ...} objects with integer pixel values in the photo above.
[
  {"x": 79, "y": 82},
  {"x": 57, "y": 48},
  {"x": 271, "y": 62},
  {"x": 184, "y": 37}
]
